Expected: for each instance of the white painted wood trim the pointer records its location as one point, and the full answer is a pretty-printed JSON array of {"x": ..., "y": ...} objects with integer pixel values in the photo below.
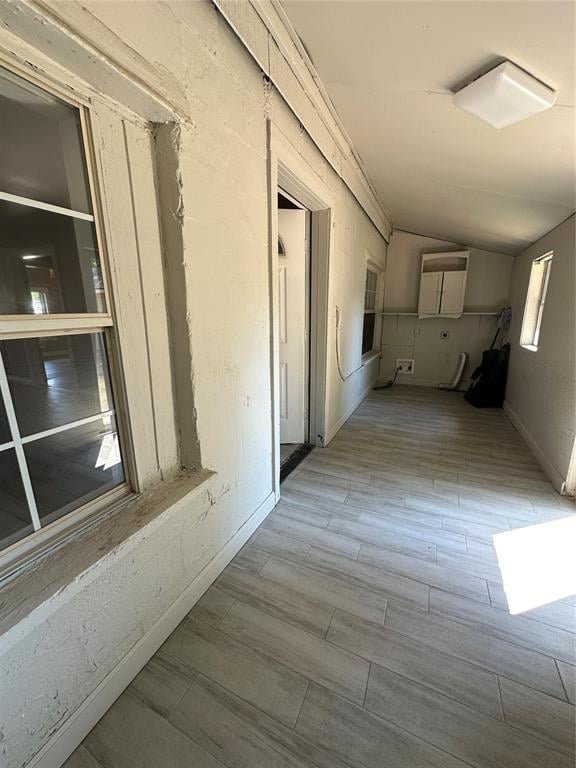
[
  {"x": 48, "y": 207},
  {"x": 66, "y": 427},
  {"x": 274, "y": 310},
  {"x": 335, "y": 428},
  {"x": 258, "y": 20},
  {"x": 374, "y": 265},
  {"x": 52, "y": 325},
  {"x": 41, "y": 35},
  {"x": 320, "y": 286},
  {"x": 132, "y": 365},
  {"x": 140, "y": 152},
  {"x": 299, "y": 179},
  {"x": 288, "y": 170},
  {"x": 39, "y": 543},
  {"x": 61, "y": 745},
  {"x": 553, "y": 475},
  {"x": 296, "y": 57},
  {"x": 414, "y": 381}
]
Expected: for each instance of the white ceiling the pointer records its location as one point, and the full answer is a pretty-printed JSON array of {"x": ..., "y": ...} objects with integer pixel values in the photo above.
[{"x": 390, "y": 67}]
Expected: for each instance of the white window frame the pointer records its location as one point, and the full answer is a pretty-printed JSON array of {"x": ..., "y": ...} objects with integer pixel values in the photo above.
[
  {"x": 535, "y": 301},
  {"x": 136, "y": 319},
  {"x": 14, "y": 327},
  {"x": 374, "y": 268}
]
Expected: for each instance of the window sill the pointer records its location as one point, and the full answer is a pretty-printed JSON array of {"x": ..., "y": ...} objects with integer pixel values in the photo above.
[
  {"x": 369, "y": 356},
  {"x": 529, "y": 347},
  {"x": 39, "y": 579}
]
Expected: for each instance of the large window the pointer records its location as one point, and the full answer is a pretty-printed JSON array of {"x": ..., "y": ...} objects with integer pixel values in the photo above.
[
  {"x": 370, "y": 307},
  {"x": 59, "y": 445},
  {"x": 535, "y": 300}
]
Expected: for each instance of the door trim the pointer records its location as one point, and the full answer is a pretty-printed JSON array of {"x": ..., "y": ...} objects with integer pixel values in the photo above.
[{"x": 288, "y": 170}]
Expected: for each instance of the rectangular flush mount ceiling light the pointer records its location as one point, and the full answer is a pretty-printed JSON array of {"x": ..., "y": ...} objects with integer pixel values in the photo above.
[{"x": 505, "y": 95}]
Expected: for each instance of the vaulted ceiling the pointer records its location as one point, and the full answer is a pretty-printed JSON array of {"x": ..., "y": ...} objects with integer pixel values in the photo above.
[{"x": 390, "y": 68}]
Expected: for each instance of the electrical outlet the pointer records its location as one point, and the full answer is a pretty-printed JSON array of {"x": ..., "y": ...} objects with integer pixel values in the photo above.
[
  {"x": 405, "y": 365},
  {"x": 444, "y": 334}
]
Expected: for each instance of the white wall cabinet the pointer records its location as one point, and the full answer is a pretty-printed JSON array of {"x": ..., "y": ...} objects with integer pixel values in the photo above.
[
  {"x": 443, "y": 284},
  {"x": 430, "y": 293}
]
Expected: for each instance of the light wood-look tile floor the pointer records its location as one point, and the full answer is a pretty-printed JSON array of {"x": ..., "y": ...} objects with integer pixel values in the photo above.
[{"x": 365, "y": 623}]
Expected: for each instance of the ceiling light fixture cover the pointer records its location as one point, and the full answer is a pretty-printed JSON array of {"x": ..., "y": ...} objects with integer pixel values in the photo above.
[{"x": 505, "y": 95}]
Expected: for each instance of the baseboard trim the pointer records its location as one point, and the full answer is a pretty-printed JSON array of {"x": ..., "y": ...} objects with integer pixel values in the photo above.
[
  {"x": 553, "y": 475},
  {"x": 62, "y": 743},
  {"x": 411, "y": 381},
  {"x": 335, "y": 428}
]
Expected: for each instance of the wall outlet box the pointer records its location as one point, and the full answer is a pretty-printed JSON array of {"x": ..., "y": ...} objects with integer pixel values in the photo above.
[
  {"x": 444, "y": 334},
  {"x": 405, "y": 365}
]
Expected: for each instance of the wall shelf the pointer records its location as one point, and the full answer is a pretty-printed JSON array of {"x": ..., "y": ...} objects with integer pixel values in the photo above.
[{"x": 441, "y": 317}]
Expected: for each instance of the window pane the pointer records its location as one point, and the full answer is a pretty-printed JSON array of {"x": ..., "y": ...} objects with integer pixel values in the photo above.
[
  {"x": 41, "y": 153},
  {"x": 370, "y": 301},
  {"x": 371, "y": 290},
  {"x": 368, "y": 333},
  {"x": 371, "y": 280},
  {"x": 49, "y": 263},
  {"x": 55, "y": 380},
  {"x": 14, "y": 517},
  {"x": 72, "y": 467}
]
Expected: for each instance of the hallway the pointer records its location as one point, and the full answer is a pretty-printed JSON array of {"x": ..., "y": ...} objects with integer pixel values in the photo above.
[{"x": 365, "y": 623}]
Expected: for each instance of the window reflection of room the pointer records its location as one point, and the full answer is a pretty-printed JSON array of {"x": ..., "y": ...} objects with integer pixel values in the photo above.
[
  {"x": 59, "y": 446},
  {"x": 56, "y": 380},
  {"x": 49, "y": 263}
]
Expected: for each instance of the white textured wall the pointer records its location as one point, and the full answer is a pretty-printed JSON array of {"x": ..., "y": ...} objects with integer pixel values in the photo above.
[
  {"x": 353, "y": 236},
  {"x": 435, "y": 358},
  {"x": 541, "y": 391},
  {"x": 56, "y": 656},
  {"x": 81, "y": 614}
]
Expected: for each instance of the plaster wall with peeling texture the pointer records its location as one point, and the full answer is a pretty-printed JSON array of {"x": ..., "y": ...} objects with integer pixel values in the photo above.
[{"x": 81, "y": 630}]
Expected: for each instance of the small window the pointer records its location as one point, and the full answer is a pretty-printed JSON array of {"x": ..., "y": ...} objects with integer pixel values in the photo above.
[
  {"x": 370, "y": 307},
  {"x": 59, "y": 446},
  {"x": 535, "y": 300}
]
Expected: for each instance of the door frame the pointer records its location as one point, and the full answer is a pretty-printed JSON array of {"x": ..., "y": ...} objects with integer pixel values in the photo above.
[
  {"x": 288, "y": 170},
  {"x": 305, "y": 424}
]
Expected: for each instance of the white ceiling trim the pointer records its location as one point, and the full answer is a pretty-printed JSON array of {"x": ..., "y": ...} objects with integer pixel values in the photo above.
[{"x": 342, "y": 156}]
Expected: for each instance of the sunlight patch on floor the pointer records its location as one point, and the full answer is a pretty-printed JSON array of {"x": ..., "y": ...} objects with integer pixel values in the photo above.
[{"x": 538, "y": 563}]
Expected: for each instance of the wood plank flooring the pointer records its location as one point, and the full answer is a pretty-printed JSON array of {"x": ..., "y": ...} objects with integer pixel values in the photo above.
[{"x": 365, "y": 624}]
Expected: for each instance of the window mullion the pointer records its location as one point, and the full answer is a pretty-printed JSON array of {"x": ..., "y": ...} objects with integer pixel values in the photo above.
[
  {"x": 30, "y": 202},
  {"x": 52, "y": 325},
  {"x": 66, "y": 427},
  {"x": 18, "y": 447}
]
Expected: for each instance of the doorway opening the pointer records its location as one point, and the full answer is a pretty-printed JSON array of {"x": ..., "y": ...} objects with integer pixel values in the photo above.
[{"x": 294, "y": 254}]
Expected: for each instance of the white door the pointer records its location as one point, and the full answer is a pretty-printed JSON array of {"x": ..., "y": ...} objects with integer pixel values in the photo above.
[
  {"x": 430, "y": 290},
  {"x": 453, "y": 289},
  {"x": 292, "y": 325}
]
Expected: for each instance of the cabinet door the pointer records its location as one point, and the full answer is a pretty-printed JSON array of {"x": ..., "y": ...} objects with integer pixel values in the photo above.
[
  {"x": 453, "y": 288},
  {"x": 430, "y": 290}
]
